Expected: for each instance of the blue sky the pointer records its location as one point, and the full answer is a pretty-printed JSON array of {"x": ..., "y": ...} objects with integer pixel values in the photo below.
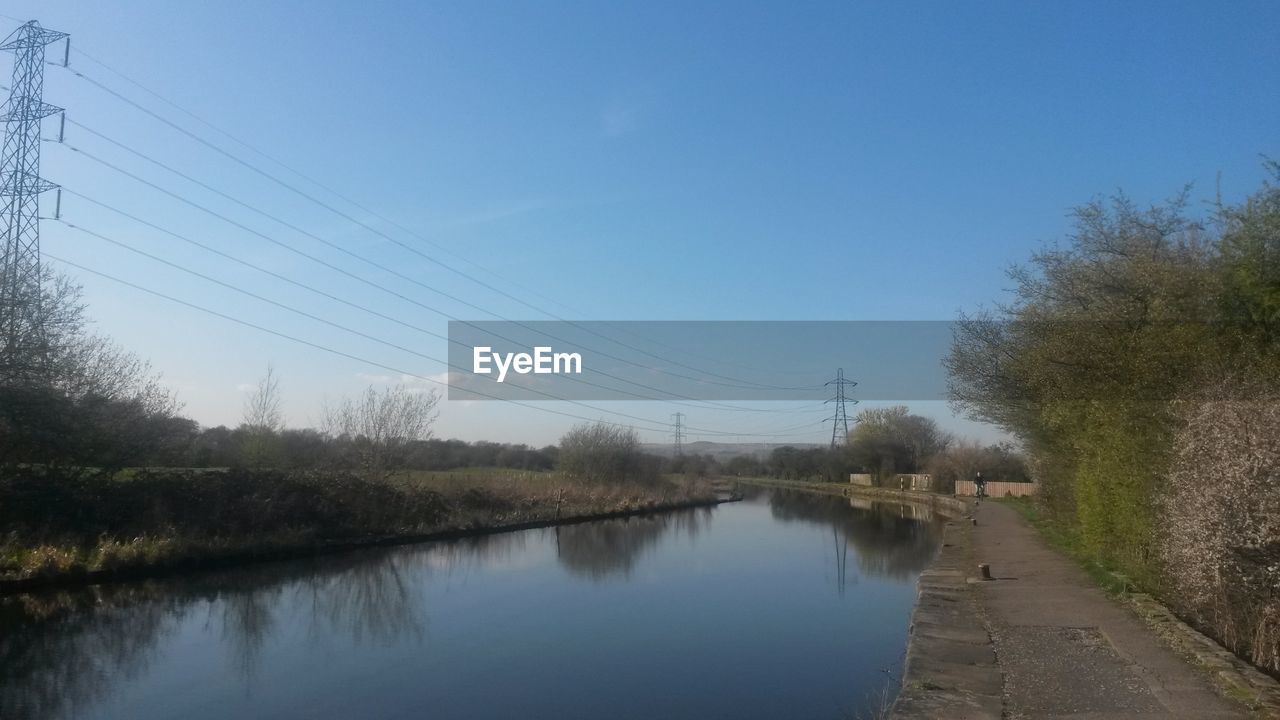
[{"x": 646, "y": 161}]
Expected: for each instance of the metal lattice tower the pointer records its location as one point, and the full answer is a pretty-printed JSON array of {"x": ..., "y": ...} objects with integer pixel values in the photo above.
[
  {"x": 679, "y": 433},
  {"x": 21, "y": 330},
  {"x": 840, "y": 421}
]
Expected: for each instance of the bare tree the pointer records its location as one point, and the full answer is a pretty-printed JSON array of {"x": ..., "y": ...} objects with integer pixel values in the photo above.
[
  {"x": 263, "y": 419},
  {"x": 262, "y": 410},
  {"x": 381, "y": 425}
]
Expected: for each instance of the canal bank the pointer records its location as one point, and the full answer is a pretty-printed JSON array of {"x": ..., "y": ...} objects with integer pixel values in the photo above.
[
  {"x": 951, "y": 668},
  {"x": 202, "y": 562}
]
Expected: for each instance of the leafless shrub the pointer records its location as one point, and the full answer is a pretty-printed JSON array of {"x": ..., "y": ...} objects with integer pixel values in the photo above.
[
  {"x": 379, "y": 426},
  {"x": 961, "y": 460},
  {"x": 602, "y": 452},
  {"x": 263, "y": 420},
  {"x": 262, "y": 408},
  {"x": 66, "y": 356}
]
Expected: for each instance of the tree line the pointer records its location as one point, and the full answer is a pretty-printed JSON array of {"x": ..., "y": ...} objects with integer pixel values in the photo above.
[
  {"x": 886, "y": 442},
  {"x": 73, "y": 400}
]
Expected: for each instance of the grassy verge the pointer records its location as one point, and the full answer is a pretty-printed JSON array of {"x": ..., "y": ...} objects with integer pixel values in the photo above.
[
  {"x": 1066, "y": 540},
  {"x": 62, "y": 526}
]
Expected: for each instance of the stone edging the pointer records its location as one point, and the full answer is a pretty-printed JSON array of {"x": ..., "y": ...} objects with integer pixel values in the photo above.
[
  {"x": 951, "y": 669},
  {"x": 1237, "y": 678}
]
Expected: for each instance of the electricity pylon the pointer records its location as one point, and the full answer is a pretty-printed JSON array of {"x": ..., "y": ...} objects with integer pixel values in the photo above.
[
  {"x": 679, "y": 433},
  {"x": 21, "y": 325},
  {"x": 840, "y": 421}
]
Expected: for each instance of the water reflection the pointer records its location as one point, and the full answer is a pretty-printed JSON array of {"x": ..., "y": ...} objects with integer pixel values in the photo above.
[
  {"x": 598, "y": 550},
  {"x": 62, "y": 650},
  {"x": 890, "y": 539}
]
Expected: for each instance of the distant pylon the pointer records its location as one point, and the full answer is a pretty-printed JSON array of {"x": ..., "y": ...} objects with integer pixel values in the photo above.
[
  {"x": 22, "y": 333},
  {"x": 840, "y": 421},
  {"x": 679, "y": 433}
]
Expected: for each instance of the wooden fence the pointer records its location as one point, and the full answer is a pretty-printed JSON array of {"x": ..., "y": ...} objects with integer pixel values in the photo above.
[{"x": 997, "y": 489}]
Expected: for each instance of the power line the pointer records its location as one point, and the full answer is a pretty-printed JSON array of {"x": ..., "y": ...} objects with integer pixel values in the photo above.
[
  {"x": 363, "y": 208},
  {"x": 354, "y": 220},
  {"x": 307, "y": 343},
  {"x": 339, "y": 326},
  {"x": 254, "y": 266},
  {"x": 333, "y": 351},
  {"x": 325, "y": 321},
  {"x": 36, "y": 218},
  {"x": 317, "y": 318},
  {"x": 675, "y": 397},
  {"x": 295, "y": 283},
  {"x": 280, "y": 163},
  {"x": 328, "y": 243},
  {"x": 733, "y": 382}
]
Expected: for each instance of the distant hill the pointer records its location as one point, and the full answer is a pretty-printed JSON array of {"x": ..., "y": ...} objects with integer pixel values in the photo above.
[{"x": 723, "y": 451}]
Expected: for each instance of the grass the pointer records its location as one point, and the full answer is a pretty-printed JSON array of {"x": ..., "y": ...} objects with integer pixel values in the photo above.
[{"x": 63, "y": 526}]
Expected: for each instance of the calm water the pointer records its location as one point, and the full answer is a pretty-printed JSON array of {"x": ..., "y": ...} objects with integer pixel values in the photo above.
[{"x": 784, "y": 605}]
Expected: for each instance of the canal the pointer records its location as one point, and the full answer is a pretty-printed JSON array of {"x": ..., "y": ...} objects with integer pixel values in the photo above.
[{"x": 786, "y": 604}]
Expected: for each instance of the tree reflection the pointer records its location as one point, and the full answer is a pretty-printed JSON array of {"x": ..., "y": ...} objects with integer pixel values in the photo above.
[
  {"x": 598, "y": 550},
  {"x": 60, "y": 652},
  {"x": 889, "y": 540}
]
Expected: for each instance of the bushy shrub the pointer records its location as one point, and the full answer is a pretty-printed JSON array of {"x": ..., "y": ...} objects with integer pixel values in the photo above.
[{"x": 602, "y": 452}]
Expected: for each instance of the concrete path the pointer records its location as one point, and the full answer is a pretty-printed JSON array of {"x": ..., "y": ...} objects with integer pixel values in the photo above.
[{"x": 1065, "y": 649}]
